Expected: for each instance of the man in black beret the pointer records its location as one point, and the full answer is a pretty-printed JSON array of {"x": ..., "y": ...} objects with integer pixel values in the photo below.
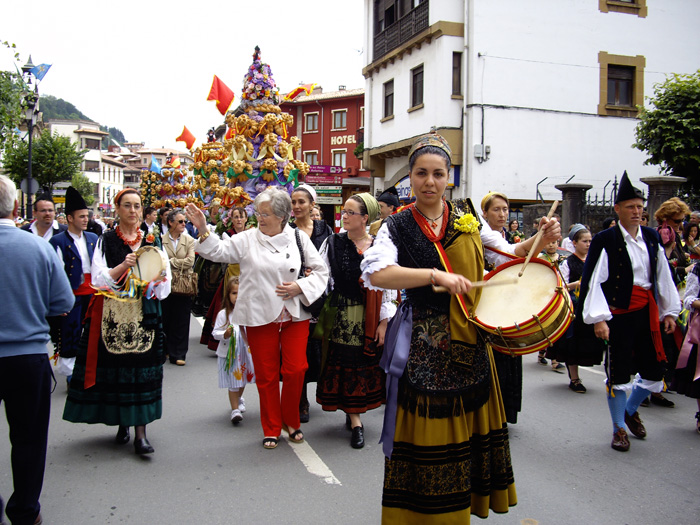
[
  {"x": 388, "y": 203},
  {"x": 628, "y": 295}
]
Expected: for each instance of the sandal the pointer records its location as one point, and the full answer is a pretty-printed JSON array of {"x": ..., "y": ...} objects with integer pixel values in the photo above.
[
  {"x": 294, "y": 436},
  {"x": 270, "y": 442}
]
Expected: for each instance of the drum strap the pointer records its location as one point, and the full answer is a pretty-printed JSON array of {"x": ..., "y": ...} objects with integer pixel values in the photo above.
[
  {"x": 499, "y": 252},
  {"x": 448, "y": 268}
]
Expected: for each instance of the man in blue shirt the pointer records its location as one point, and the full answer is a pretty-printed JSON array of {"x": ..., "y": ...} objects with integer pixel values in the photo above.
[{"x": 33, "y": 285}]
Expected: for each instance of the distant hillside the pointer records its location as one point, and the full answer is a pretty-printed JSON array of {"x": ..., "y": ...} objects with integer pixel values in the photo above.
[
  {"x": 53, "y": 107},
  {"x": 58, "y": 108}
]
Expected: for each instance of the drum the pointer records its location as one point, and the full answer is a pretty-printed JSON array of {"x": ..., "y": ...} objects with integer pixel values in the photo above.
[
  {"x": 527, "y": 316},
  {"x": 151, "y": 264}
]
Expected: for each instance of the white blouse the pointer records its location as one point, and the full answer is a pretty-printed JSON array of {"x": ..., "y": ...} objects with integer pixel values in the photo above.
[{"x": 265, "y": 263}]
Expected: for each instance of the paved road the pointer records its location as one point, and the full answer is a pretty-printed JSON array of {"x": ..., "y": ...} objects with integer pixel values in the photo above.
[{"x": 205, "y": 470}]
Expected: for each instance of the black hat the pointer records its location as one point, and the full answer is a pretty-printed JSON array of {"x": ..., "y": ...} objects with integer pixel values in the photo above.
[
  {"x": 627, "y": 191},
  {"x": 390, "y": 196},
  {"x": 74, "y": 201}
]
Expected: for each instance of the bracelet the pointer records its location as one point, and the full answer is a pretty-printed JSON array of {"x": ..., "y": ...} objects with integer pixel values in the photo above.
[
  {"x": 432, "y": 277},
  {"x": 203, "y": 236}
]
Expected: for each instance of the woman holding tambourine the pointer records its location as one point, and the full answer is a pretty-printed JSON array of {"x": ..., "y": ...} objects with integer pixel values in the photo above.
[{"x": 118, "y": 373}]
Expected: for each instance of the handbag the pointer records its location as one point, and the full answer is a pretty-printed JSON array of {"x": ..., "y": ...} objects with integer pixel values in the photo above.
[
  {"x": 314, "y": 308},
  {"x": 184, "y": 282}
]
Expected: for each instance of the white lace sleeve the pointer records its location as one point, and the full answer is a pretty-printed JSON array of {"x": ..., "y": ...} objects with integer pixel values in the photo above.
[
  {"x": 383, "y": 253},
  {"x": 692, "y": 289},
  {"x": 564, "y": 269},
  {"x": 388, "y": 308}
]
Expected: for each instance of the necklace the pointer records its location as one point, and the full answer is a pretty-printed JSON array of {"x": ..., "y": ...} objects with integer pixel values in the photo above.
[
  {"x": 432, "y": 222},
  {"x": 137, "y": 240},
  {"x": 355, "y": 241}
]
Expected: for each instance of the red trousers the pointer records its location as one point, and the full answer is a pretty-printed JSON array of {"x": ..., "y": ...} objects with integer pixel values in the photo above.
[{"x": 267, "y": 344}]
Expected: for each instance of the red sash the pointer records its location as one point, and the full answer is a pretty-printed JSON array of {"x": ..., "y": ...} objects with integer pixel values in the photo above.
[
  {"x": 85, "y": 288},
  {"x": 95, "y": 315},
  {"x": 640, "y": 298}
]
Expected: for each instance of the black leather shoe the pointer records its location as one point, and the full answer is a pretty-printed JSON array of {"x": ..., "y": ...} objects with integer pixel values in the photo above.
[
  {"x": 358, "y": 437},
  {"x": 123, "y": 436},
  {"x": 142, "y": 446},
  {"x": 660, "y": 400}
]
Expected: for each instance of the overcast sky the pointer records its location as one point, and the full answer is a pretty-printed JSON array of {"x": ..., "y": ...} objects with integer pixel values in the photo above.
[{"x": 146, "y": 67}]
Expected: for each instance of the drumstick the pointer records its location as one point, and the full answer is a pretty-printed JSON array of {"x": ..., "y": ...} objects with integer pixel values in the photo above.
[
  {"x": 481, "y": 284},
  {"x": 537, "y": 239}
]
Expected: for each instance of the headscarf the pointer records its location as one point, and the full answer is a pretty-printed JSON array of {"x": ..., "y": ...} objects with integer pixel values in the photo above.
[
  {"x": 490, "y": 195},
  {"x": 575, "y": 229},
  {"x": 307, "y": 188},
  {"x": 431, "y": 139},
  {"x": 371, "y": 204}
]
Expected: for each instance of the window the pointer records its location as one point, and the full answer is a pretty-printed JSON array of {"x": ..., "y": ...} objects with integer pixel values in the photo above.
[
  {"x": 456, "y": 73},
  {"x": 310, "y": 122},
  {"x": 389, "y": 99},
  {"x": 417, "y": 86},
  {"x": 91, "y": 165},
  {"x": 621, "y": 84},
  {"x": 311, "y": 157},
  {"x": 631, "y": 7},
  {"x": 340, "y": 119},
  {"x": 92, "y": 144},
  {"x": 362, "y": 117},
  {"x": 339, "y": 156}
]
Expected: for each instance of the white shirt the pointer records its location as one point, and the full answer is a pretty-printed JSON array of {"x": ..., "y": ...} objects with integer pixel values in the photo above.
[
  {"x": 596, "y": 309},
  {"x": 102, "y": 279},
  {"x": 494, "y": 239},
  {"x": 81, "y": 244},
  {"x": 265, "y": 263},
  {"x": 48, "y": 233}
]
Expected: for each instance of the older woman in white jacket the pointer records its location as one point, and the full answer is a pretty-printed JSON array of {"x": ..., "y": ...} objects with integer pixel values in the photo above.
[{"x": 269, "y": 305}]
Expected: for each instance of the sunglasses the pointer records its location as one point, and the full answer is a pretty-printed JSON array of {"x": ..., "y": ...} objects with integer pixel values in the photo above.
[{"x": 181, "y": 221}]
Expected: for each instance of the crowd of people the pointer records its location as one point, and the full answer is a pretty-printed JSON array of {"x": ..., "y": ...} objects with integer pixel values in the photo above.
[{"x": 380, "y": 314}]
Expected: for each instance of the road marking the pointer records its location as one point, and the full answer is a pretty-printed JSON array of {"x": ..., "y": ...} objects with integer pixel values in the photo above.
[{"x": 313, "y": 463}]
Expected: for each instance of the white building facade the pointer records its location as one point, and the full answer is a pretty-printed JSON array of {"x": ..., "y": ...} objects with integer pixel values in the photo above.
[{"x": 528, "y": 94}]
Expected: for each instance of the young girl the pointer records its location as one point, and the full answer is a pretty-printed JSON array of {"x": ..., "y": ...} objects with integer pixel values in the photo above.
[
  {"x": 235, "y": 362},
  {"x": 551, "y": 254}
]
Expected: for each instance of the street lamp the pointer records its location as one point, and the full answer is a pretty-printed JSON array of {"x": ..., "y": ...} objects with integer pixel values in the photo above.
[{"x": 31, "y": 104}]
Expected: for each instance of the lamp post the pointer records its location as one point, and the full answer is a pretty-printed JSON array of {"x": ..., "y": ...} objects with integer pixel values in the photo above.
[{"x": 31, "y": 101}]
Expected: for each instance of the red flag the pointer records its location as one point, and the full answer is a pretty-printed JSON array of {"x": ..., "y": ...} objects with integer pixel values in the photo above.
[
  {"x": 306, "y": 88},
  {"x": 222, "y": 94},
  {"x": 186, "y": 137}
]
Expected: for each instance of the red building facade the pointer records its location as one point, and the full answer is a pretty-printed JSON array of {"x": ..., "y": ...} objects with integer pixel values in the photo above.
[{"x": 330, "y": 126}]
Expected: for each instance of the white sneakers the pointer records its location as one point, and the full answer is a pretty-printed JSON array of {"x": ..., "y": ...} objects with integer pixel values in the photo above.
[
  {"x": 236, "y": 416},
  {"x": 241, "y": 405}
]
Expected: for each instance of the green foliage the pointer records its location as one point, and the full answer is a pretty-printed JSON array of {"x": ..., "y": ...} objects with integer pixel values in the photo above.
[
  {"x": 359, "y": 150},
  {"x": 10, "y": 108},
  {"x": 57, "y": 108},
  {"x": 670, "y": 132},
  {"x": 86, "y": 188},
  {"x": 54, "y": 159},
  {"x": 114, "y": 134}
]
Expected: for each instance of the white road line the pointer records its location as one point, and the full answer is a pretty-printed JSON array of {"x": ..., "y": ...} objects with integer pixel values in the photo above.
[{"x": 313, "y": 463}]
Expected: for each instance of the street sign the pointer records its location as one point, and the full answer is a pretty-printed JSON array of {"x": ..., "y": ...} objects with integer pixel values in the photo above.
[
  {"x": 323, "y": 179},
  {"x": 27, "y": 188},
  {"x": 321, "y": 168},
  {"x": 329, "y": 199}
]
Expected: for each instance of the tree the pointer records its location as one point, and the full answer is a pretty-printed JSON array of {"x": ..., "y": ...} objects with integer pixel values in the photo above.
[
  {"x": 54, "y": 159},
  {"x": 10, "y": 103},
  {"x": 86, "y": 188},
  {"x": 670, "y": 132}
]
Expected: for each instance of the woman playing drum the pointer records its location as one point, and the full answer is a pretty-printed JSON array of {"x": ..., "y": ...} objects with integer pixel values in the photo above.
[
  {"x": 494, "y": 209},
  {"x": 118, "y": 373},
  {"x": 444, "y": 435}
]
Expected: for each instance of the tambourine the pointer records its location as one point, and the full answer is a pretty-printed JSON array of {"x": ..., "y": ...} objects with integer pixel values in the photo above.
[{"x": 151, "y": 263}]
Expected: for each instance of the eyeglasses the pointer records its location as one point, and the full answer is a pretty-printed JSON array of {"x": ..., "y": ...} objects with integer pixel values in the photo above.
[
  {"x": 675, "y": 221},
  {"x": 349, "y": 213},
  {"x": 181, "y": 221},
  {"x": 262, "y": 215}
]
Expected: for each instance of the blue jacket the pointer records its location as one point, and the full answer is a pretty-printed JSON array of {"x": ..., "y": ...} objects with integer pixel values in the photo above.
[
  {"x": 71, "y": 256},
  {"x": 33, "y": 285}
]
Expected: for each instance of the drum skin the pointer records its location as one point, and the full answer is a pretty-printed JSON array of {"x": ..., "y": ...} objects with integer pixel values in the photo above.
[
  {"x": 151, "y": 263},
  {"x": 528, "y": 316}
]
